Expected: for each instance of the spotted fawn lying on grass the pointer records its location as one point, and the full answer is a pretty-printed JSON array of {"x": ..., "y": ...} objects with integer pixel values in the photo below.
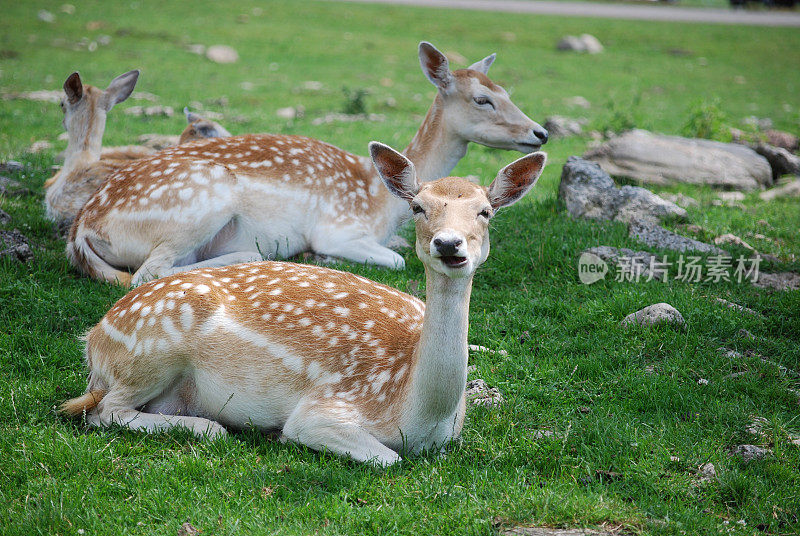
[
  {"x": 87, "y": 165},
  {"x": 331, "y": 359},
  {"x": 224, "y": 201}
]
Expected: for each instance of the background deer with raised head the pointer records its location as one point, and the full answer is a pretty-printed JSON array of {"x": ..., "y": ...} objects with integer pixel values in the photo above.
[
  {"x": 229, "y": 200},
  {"x": 332, "y": 360},
  {"x": 87, "y": 165},
  {"x": 85, "y": 109}
]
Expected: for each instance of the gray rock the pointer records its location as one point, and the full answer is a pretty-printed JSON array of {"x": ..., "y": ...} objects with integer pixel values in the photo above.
[
  {"x": 4, "y": 217},
  {"x": 588, "y": 192},
  {"x": 40, "y": 147},
  {"x": 731, "y": 197},
  {"x": 706, "y": 473},
  {"x": 578, "y": 101},
  {"x": 659, "y": 313},
  {"x": 222, "y": 54},
  {"x": 11, "y": 166},
  {"x": 150, "y": 111},
  {"x": 732, "y": 239},
  {"x": 636, "y": 262},
  {"x": 780, "y": 160},
  {"x": 563, "y": 127},
  {"x": 46, "y": 16},
  {"x": 749, "y": 453},
  {"x": 480, "y": 394},
  {"x": 778, "y": 281},
  {"x": 656, "y": 236},
  {"x": 583, "y": 43},
  {"x": 14, "y": 244},
  {"x": 658, "y": 159},
  {"x": 736, "y": 306},
  {"x": 790, "y": 189},
  {"x": 681, "y": 200}
]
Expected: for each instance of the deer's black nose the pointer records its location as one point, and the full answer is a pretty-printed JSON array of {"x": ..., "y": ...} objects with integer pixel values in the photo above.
[
  {"x": 447, "y": 248},
  {"x": 541, "y": 134}
]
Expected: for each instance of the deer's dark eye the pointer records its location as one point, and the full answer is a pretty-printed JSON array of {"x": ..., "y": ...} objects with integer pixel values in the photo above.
[
  {"x": 482, "y": 101},
  {"x": 416, "y": 209},
  {"x": 485, "y": 213}
]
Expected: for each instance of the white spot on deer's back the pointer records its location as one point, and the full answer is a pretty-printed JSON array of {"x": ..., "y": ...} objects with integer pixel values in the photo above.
[{"x": 187, "y": 316}]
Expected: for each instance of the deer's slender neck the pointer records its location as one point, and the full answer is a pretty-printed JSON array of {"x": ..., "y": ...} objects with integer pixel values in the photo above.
[
  {"x": 440, "y": 372},
  {"x": 85, "y": 143},
  {"x": 435, "y": 149}
]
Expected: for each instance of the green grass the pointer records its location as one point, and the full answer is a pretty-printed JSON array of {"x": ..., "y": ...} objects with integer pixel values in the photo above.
[{"x": 577, "y": 373}]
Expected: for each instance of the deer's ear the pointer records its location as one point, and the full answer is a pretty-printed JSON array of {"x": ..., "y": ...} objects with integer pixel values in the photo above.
[
  {"x": 514, "y": 180},
  {"x": 120, "y": 88},
  {"x": 396, "y": 171},
  {"x": 435, "y": 66},
  {"x": 483, "y": 65},
  {"x": 73, "y": 87},
  {"x": 191, "y": 117}
]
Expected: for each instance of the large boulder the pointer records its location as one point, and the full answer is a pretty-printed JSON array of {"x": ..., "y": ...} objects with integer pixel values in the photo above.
[
  {"x": 657, "y": 159},
  {"x": 588, "y": 192}
]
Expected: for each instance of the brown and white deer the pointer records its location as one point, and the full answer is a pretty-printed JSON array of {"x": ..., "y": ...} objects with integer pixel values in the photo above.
[
  {"x": 87, "y": 165},
  {"x": 85, "y": 108},
  {"x": 332, "y": 360},
  {"x": 240, "y": 199}
]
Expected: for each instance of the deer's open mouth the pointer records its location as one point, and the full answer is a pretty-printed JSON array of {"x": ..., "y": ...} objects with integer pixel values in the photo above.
[
  {"x": 530, "y": 147},
  {"x": 451, "y": 261}
]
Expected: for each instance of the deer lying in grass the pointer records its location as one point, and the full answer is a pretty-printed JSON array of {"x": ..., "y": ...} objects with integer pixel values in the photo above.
[
  {"x": 200, "y": 128},
  {"x": 224, "y": 201},
  {"x": 332, "y": 360},
  {"x": 87, "y": 165}
]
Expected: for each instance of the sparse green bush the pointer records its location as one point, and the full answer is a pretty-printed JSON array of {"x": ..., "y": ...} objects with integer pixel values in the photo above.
[
  {"x": 354, "y": 100},
  {"x": 707, "y": 120}
]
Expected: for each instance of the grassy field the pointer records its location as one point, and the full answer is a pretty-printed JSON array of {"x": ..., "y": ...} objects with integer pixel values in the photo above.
[{"x": 630, "y": 423}]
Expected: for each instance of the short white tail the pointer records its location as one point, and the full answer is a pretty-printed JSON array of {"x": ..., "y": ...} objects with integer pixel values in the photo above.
[
  {"x": 332, "y": 360},
  {"x": 216, "y": 202}
]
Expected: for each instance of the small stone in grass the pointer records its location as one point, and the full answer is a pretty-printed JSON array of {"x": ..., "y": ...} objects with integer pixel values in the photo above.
[
  {"x": 748, "y": 453},
  {"x": 702, "y": 381},
  {"x": 222, "y": 54},
  {"x": 480, "y": 394},
  {"x": 706, "y": 472},
  {"x": 658, "y": 313}
]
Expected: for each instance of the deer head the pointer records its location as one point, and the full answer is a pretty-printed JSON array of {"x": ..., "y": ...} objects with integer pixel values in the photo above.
[
  {"x": 85, "y": 107},
  {"x": 200, "y": 128},
  {"x": 451, "y": 215},
  {"x": 475, "y": 108}
]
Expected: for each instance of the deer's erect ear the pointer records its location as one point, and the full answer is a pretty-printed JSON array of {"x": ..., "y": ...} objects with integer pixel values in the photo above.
[
  {"x": 73, "y": 87},
  {"x": 514, "y": 180},
  {"x": 483, "y": 65},
  {"x": 435, "y": 66},
  {"x": 396, "y": 171},
  {"x": 191, "y": 117},
  {"x": 120, "y": 88}
]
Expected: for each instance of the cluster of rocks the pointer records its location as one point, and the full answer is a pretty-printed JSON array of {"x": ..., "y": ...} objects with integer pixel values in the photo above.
[{"x": 589, "y": 192}]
